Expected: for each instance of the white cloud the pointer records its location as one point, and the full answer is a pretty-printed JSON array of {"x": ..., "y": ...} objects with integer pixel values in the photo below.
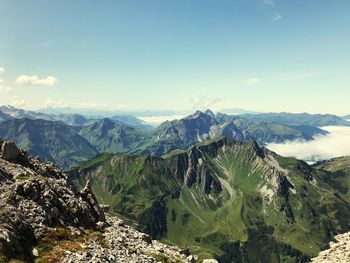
[
  {"x": 335, "y": 144},
  {"x": 204, "y": 103},
  {"x": 2, "y": 70},
  {"x": 4, "y": 88},
  {"x": 56, "y": 103},
  {"x": 156, "y": 120},
  {"x": 276, "y": 16},
  {"x": 17, "y": 103},
  {"x": 253, "y": 81},
  {"x": 36, "y": 81}
]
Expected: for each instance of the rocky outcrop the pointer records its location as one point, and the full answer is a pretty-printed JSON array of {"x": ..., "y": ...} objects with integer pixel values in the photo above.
[
  {"x": 9, "y": 151},
  {"x": 125, "y": 244},
  {"x": 36, "y": 196},
  {"x": 339, "y": 251}
]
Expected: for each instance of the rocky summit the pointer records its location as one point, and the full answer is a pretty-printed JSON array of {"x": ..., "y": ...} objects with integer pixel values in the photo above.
[{"x": 43, "y": 218}]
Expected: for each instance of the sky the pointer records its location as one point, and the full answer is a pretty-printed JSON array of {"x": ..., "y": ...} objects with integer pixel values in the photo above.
[{"x": 260, "y": 55}]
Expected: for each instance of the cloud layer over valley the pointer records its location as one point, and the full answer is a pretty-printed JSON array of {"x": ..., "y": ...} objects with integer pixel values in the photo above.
[{"x": 335, "y": 144}]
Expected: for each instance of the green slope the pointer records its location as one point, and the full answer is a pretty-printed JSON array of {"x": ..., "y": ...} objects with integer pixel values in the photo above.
[
  {"x": 234, "y": 201},
  {"x": 51, "y": 141},
  {"x": 113, "y": 136}
]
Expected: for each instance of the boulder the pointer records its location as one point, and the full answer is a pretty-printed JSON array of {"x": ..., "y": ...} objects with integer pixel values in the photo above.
[
  {"x": 9, "y": 151},
  {"x": 185, "y": 251}
]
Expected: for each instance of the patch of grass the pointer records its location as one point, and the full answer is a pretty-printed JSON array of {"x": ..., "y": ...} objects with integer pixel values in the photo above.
[
  {"x": 53, "y": 245},
  {"x": 23, "y": 177},
  {"x": 160, "y": 257}
]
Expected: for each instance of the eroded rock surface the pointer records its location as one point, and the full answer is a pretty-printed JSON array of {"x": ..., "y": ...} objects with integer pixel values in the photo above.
[
  {"x": 36, "y": 196},
  {"x": 125, "y": 244},
  {"x": 339, "y": 251}
]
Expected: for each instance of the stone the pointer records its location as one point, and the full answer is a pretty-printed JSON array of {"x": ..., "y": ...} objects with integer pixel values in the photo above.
[
  {"x": 191, "y": 259},
  {"x": 35, "y": 252},
  {"x": 185, "y": 251},
  {"x": 146, "y": 238},
  {"x": 101, "y": 225},
  {"x": 9, "y": 151}
]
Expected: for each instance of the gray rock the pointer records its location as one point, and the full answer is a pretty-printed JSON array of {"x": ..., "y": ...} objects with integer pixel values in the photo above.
[
  {"x": 45, "y": 198},
  {"x": 191, "y": 259},
  {"x": 9, "y": 151},
  {"x": 146, "y": 238},
  {"x": 101, "y": 225},
  {"x": 185, "y": 251}
]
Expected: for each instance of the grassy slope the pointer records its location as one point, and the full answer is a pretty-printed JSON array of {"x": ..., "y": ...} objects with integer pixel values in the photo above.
[
  {"x": 236, "y": 219},
  {"x": 51, "y": 141}
]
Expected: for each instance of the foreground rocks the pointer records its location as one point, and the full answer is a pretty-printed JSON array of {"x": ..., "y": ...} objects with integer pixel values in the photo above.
[
  {"x": 43, "y": 216},
  {"x": 339, "y": 251},
  {"x": 125, "y": 244},
  {"x": 36, "y": 196}
]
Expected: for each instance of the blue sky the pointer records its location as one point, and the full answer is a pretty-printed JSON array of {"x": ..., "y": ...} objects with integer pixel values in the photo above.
[{"x": 260, "y": 55}]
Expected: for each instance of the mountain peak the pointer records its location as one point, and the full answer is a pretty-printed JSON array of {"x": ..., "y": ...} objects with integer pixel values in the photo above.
[
  {"x": 195, "y": 115},
  {"x": 200, "y": 114},
  {"x": 210, "y": 113}
]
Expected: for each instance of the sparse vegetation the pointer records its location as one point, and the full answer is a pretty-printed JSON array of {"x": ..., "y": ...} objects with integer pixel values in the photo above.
[{"x": 56, "y": 241}]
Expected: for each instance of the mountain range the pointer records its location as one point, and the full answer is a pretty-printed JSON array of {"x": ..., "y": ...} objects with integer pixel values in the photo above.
[
  {"x": 235, "y": 201},
  {"x": 50, "y": 140},
  {"x": 9, "y": 113},
  {"x": 205, "y": 181},
  {"x": 128, "y": 134},
  {"x": 318, "y": 120}
]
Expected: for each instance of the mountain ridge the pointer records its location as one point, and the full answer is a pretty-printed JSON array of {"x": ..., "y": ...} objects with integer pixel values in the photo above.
[
  {"x": 226, "y": 198},
  {"x": 131, "y": 136}
]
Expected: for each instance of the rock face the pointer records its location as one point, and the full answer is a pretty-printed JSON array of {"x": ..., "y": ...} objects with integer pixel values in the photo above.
[
  {"x": 43, "y": 216},
  {"x": 338, "y": 252},
  {"x": 9, "y": 151},
  {"x": 35, "y": 196}
]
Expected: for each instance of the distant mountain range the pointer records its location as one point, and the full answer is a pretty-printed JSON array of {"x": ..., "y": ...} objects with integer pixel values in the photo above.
[
  {"x": 50, "y": 140},
  {"x": 232, "y": 200},
  {"x": 9, "y": 112},
  {"x": 318, "y": 120},
  {"x": 128, "y": 134}
]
